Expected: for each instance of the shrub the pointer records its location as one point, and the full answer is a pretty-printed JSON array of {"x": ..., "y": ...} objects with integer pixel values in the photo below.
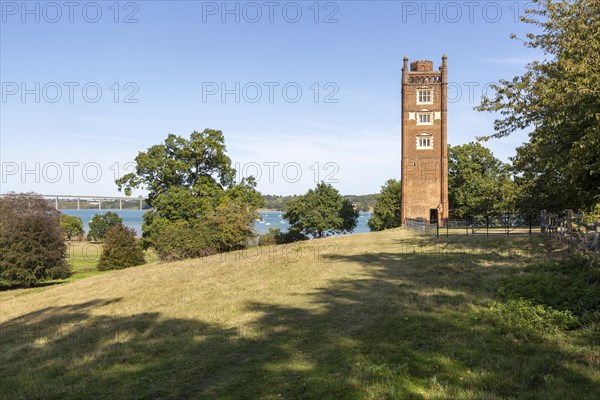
[
  {"x": 32, "y": 244},
  {"x": 73, "y": 226},
  {"x": 120, "y": 250},
  {"x": 292, "y": 235},
  {"x": 228, "y": 227},
  {"x": 102, "y": 223},
  {"x": 570, "y": 285},
  {"x": 527, "y": 320},
  {"x": 270, "y": 238},
  {"x": 180, "y": 240}
]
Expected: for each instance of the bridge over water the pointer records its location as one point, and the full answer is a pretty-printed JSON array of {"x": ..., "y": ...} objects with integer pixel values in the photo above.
[{"x": 91, "y": 200}]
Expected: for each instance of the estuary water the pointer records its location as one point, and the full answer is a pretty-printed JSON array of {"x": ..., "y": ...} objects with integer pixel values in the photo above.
[{"x": 269, "y": 219}]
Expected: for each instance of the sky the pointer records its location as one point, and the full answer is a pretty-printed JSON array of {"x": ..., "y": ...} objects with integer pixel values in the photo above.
[{"x": 303, "y": 91}]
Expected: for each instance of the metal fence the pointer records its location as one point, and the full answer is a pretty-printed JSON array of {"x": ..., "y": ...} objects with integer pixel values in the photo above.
[{"x": 507, "y": 223}]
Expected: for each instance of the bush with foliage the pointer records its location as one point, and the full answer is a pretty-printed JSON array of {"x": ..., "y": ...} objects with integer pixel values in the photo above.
[
  {"x": 386, "y": 213},
  {"x": 275, "y": 236},
  {"x": 72, "y": 225},
  {"x": 269, "y": 238},
  {"x": 529, "y": 321},
  {"x": 321, "y": 211},
  {"x": 102, "y": 223},
  {"x": 120, "y": 249},
  {"x": 32, "y": 242},
  {"x": 569, "y": 285},
  {"x": 292, "y": 235},
  {"x": 228, "y": 227}
]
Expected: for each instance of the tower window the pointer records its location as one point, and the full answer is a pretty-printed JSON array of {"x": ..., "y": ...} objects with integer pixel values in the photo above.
[
  {"x": 424, "y": 141},
  {"x": 424, "y": 96},
  {"x": 424, "y": 119}
]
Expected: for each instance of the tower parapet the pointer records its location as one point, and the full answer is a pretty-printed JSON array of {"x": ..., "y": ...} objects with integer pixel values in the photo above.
[{"x": 421, "y": 66}]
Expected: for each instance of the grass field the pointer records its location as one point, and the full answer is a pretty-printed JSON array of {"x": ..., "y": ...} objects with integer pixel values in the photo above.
[{"x": 386, "y": 315}]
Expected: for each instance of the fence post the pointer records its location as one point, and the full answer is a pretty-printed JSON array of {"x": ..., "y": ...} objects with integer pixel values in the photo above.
[
  {"x": 570, "y": 227},
  {"x": 487, "y": 225},
  {"x": 543, "y": 221},
  {"x": 530, "y": 223},
  {"x": 437, "y": 228},
  {"x": 447, "y": 223}
]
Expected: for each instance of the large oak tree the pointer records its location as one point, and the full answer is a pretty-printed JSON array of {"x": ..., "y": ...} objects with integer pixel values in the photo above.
[
  {"x": 558, "y": 99},
  {"x": 188, "y": 180}
]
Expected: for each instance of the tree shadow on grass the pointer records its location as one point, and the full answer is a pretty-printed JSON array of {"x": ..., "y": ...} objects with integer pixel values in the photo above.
[
  {"x": 398, "y": 331},
  {"x": 31, "y": 286}
]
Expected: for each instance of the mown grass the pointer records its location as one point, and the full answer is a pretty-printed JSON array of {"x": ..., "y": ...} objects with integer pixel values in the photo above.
[{"x": 384, "y": 315}]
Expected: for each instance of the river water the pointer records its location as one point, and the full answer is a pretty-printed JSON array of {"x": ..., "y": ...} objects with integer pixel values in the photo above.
[{"x": 269, "y": 219}]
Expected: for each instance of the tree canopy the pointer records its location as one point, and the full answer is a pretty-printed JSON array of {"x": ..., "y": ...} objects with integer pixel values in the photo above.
[
  {"x": 72, "y": 225},
  {"x": 388, "y": 206},
  {"x": 321, "y": 211},
  {"x": 478, "y": 183},
  {"x": 102, "y": 223},
  {"x": 32, "y": 244},
  {"x": 558, "y": 98},
  {"x": 188, "y": 180}
]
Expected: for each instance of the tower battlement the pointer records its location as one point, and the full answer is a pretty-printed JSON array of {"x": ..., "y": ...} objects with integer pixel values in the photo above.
[{"x": 421, "y": 66}]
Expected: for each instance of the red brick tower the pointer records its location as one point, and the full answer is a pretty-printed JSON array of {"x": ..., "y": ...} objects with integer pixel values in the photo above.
[{"x": 424, "y": 141}]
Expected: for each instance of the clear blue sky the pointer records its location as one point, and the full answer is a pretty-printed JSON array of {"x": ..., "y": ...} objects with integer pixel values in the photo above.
[{"x": 179, "y": 52}]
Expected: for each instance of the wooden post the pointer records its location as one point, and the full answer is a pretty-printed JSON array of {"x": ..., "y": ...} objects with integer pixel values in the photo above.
[
  {"x": 99, "y": 204},
  {"x": 570, "y": 226},
  {"x": 78, "y": 208},
  {"x": 596, "y": 244},
  {"x": 120, "y": 204},
  {"x": 56, "y": 203},
  {"x": 140, "y": 203},
  {"x": 543, "y": 221}
]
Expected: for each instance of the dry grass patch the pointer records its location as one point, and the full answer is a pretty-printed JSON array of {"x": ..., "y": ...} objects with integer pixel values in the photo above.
[{"x": 381, "y": 315}]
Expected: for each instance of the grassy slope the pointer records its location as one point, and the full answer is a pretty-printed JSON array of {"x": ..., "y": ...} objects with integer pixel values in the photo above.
[
  {"x": 384, "y": 315},
  {"x": 83, "y": 257}
]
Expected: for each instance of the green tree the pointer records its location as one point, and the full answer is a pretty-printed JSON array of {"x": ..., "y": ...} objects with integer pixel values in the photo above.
[
  {"x": 120, "y": 249},
  {"x": 189, "y": 180},
  {"x": 478, "y": 183},
  {"x": 388, "y": 206},
  {"x": 72, "y": 225},
  {"x": 32, "y": 242},
  {"x": 558, "y": 100},
  {"x": 321, "y": 211},
  {"x": 102, "y": 223}
]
